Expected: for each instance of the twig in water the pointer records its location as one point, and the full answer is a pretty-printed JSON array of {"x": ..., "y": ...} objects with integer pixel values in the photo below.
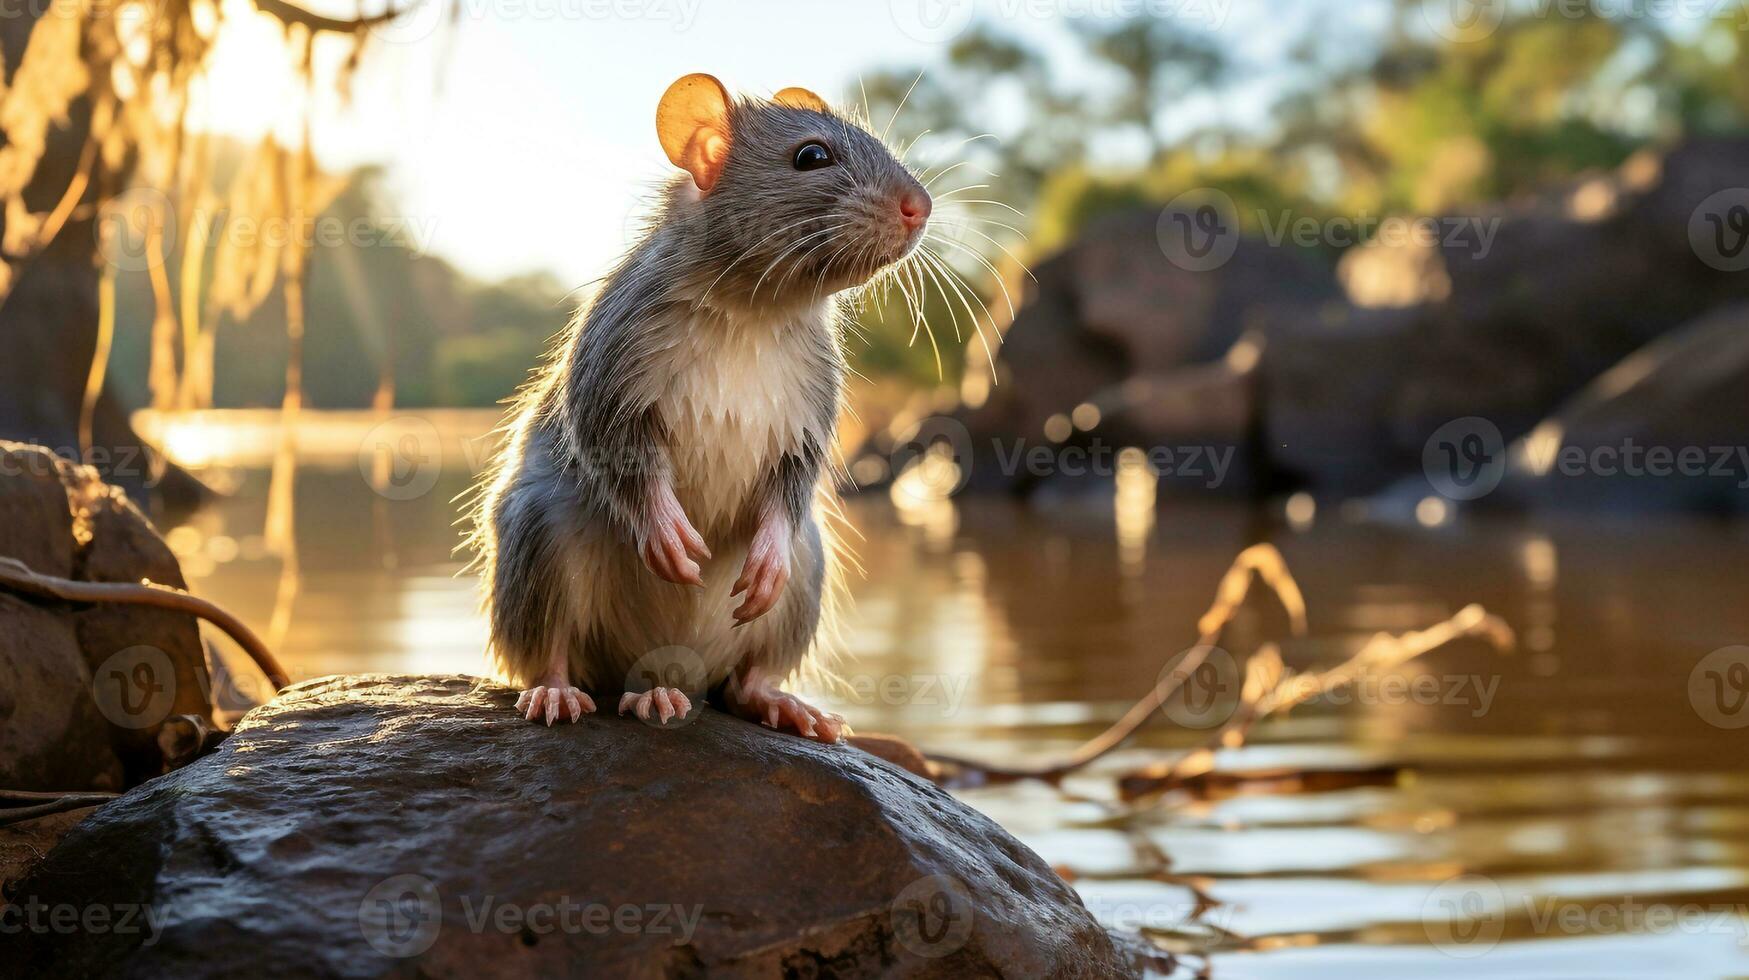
[
  {"x": 1260, "y": 561},
  {"x": 1270, "y": 688}
]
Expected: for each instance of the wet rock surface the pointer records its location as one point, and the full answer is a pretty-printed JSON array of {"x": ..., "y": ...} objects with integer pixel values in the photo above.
[
  {"x": 84, "y": 688},
  {"x": 399, "y": 826}
]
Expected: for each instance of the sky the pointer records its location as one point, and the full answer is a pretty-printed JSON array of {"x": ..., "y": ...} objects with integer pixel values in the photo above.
[{"x": 521, "y": 136}]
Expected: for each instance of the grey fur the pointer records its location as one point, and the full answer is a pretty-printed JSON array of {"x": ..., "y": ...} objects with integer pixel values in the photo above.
[{"x": 561, "y": 522}]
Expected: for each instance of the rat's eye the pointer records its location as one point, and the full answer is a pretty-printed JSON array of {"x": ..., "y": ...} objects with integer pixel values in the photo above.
[{"x": 813, "y": 156}]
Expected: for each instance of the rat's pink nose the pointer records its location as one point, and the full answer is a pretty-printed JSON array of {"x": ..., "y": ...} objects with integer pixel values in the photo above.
[{"x": 914, "y": 208}]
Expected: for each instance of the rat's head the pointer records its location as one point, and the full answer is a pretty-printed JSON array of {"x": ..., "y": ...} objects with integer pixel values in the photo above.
[{"x": 792, "y": 199}]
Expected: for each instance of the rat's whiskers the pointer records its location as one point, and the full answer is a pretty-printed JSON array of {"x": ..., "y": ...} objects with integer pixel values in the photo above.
[
  {"x": 957, "y": 282},
  {"x": 979, "y": 258},
  {"x": 744, "y": 253}
]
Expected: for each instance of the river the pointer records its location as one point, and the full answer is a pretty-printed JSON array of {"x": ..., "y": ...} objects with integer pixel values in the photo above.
[{"x": 1575, "y": 807}]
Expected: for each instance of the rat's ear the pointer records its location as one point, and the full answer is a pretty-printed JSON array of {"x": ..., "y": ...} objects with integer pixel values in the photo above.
[
  {"x": 692, "y": 121},
  {"x": 800, "y": 98}
]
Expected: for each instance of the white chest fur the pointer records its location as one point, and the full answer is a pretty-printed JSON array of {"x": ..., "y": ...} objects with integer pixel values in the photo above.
[{"x": 732, "y": 405}]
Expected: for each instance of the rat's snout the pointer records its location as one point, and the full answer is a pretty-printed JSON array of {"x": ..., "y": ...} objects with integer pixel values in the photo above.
[{"x": 914, "y": 208}]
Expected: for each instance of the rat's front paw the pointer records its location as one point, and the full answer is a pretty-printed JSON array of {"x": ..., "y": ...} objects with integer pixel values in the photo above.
[
  {"x": 555, "y": 702},
  {"x": 765, "y": 572},
  {"x": 671, "y": 544}
]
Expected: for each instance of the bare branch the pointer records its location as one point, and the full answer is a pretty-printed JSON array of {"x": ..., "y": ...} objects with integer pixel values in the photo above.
[{"x": 291, "y": 13}]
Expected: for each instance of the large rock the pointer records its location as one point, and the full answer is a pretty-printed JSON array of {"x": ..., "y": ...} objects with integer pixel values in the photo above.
[
  {"x": 1528, "y": 304},
  {"x": 1504, "y": 313},
  {"x": 85, "y": 689},
  {"x": 396, "y": 826},
  {"x": 1666, "y": 429},
  {"x": 1109, "y": 309}
]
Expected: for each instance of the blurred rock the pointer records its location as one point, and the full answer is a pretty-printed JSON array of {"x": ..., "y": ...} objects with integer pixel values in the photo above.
[
  {"x": 1538, "y": 298},
  {"x": 1665, "y": 429},
  {"x": 402, "y": 826},
  {"x": 1113, "y": 308},
  {"x": 1501, "y": 314},
  {"x": 84, "y": 690}
]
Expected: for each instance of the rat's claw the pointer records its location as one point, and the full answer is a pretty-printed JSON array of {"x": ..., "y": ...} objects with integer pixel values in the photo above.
[
  {"x": 798, "y": 715},
  {"x": 549, "y": 703},
  {"x": 685, "y": 569},
  {"x": 694, "y": 541},
  {"x": 672, "y": 542},
  {"x": 578, "y": 703},
  {"x": 785, "y": 712},
  {"x": 763, "y": 578},
  {"x": 532, "y": 701},
  {"x": 667, "y": 703},
  {"x": 665, "y": 553}
]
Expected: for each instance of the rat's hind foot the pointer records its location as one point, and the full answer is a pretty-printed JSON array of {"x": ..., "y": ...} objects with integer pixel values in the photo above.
[
  {"x": 785, "y": 712},
  {"x": 558, "y": 701},
  {"x": 665, "y": 702}
]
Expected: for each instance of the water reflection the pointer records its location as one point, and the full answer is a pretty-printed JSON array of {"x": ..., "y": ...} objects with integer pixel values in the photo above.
[{"x": 1577, "y": 780}]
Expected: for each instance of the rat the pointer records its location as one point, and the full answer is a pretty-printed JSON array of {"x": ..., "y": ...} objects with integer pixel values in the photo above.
[{"x": 650, "y": 528}]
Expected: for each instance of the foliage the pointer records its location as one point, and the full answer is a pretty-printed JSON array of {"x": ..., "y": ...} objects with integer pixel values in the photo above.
[
  {"x": 1398, "y": 121},
  {"x": 455, "y": 342}
]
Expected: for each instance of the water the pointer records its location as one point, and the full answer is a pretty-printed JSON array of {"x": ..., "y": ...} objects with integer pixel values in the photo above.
[{"x": 1576, "y": 807}]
